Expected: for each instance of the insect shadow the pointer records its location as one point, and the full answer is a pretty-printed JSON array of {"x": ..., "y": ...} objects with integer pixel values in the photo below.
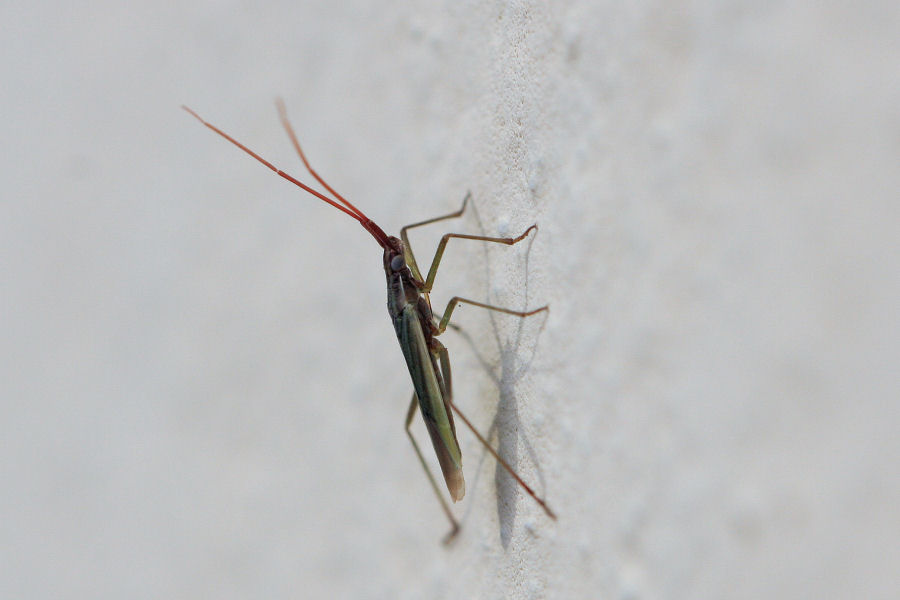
[{"x": 505, "y": 371}]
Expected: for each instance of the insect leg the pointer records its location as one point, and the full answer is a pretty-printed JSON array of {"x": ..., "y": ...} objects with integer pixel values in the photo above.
[
  {"x": 408, "y": 254},
  {"x": 454, "y": 525},
  {"x": 432, "y": 272},
  {"x": 445, "y": 367},
  {"x": 445, "y": 320}
]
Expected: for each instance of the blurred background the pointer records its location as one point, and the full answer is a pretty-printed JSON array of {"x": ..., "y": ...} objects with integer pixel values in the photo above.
[{"x": 202, "y": 394}]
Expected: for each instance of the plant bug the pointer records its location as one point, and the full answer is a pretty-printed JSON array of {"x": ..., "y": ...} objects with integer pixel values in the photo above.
[{"x": 409, "y": 307}]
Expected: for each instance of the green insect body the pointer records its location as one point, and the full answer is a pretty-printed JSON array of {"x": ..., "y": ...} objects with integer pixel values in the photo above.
[
  {"x": 417, "y": 329},
  {"x": 414, "y": 324}
]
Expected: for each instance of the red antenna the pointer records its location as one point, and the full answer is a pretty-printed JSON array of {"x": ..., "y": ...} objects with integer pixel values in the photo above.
[{"x": 341, "y": 204}]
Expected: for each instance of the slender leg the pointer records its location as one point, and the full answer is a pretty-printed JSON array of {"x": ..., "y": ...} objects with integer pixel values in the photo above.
[
  {"x": 446, "y": 375},
  {"x": 454, "y": 525},
  {"x": 410, "y": 258},
  {"x": 445, "y": 320},
  {"x": 441, "y": 351},
  {"x": 432, "y": 272}
]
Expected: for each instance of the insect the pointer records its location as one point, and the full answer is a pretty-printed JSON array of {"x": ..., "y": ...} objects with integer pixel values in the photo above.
[{"x": 409, "y": 307}]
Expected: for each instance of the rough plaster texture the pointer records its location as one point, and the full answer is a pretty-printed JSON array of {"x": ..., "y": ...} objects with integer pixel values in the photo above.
[{"x": 202, "y": 395}]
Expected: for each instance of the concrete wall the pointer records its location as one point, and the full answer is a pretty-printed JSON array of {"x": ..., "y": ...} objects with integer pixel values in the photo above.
[{"x": 202, "y": 394}]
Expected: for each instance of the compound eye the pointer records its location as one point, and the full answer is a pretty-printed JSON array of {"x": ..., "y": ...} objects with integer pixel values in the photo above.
[{"x": 397, "y": 263}]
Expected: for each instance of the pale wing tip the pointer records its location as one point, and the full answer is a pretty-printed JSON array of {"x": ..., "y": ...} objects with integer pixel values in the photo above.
[{"x": 457, "y": 486}]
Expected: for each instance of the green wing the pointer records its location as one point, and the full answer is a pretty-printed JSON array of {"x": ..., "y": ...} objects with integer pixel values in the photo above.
[{"x": 429, "y": 391}]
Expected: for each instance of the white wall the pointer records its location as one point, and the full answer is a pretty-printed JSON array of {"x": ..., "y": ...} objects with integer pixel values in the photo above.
[{"x": 202, "y": 394}]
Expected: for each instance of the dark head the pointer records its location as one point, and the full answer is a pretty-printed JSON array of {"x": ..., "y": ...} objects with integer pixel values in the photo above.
[{"x": 394, "y": 261}]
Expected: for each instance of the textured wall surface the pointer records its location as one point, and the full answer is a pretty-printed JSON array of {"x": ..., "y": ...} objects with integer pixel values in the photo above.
[{"x": 202, "y": 395}]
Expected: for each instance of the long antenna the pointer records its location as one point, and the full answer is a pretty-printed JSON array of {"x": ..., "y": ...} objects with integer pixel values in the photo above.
[
  {"x": 349, "y": 209},
  {"x": 286, "y": 123}
]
